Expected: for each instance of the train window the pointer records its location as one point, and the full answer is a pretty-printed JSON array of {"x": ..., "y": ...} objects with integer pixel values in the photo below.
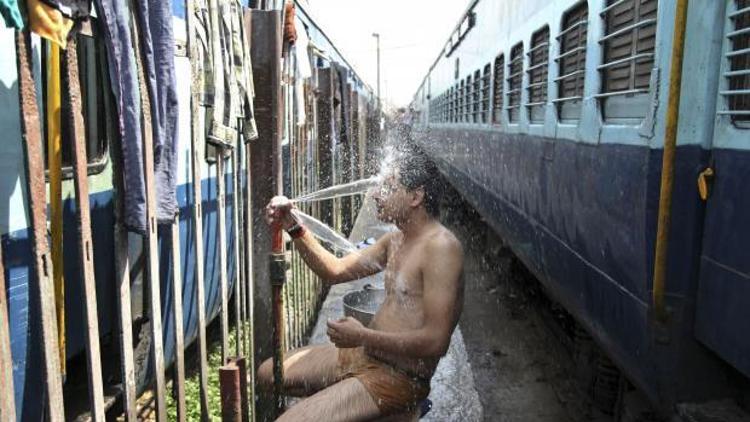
[
  {"x": 456, "y": 93},
  {"x": 515, "y": 79},
  {"x": 629, "y": 46},
  {"x": 499, "y": 80},
  {"x": 572, "y": 62},
  {"x": 537, "y": 71},
  {"x": 738, "y": 75},
  {"x": 97, "y": 106},
  {"x": 476, "y": 92},
  {"x": 462, "y": 90},
  {"x": 486, "y": 94},
  {"x": 467, "y": 100}
]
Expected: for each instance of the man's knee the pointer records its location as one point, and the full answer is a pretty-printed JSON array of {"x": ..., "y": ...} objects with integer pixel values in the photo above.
[{"x": 264, "y": 377}]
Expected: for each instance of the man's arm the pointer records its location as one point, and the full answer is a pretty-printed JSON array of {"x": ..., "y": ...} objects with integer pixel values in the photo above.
[
  {"x": 334, "y": 270},
  {"x": 443, "y": 299}
]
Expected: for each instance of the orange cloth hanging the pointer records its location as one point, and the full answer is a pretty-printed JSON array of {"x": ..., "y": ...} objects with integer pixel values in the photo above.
[
  {"x": 290, "y": 32},
  {"x": 49, "y": 23}
]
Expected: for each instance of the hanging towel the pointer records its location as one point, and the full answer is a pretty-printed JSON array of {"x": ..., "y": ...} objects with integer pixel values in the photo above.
[
  {"x": 114, "y": 16},
  {"x": 302, "y": 70},
  {"x": 49, "y": 23},
  {"x": 290, "y": 32},
  {"x": 11, "y": 13}
]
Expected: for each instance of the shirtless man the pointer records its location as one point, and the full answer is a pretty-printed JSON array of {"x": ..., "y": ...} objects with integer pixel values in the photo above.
[{"x": 382, "y": 370}]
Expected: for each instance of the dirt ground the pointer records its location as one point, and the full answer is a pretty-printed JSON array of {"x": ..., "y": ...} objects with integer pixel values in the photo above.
[{"x": 521, "y": 370}]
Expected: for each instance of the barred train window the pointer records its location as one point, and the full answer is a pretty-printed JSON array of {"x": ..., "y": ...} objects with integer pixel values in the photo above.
[
  {"x": 461, "y": 92},
  {"x": 96, "y": 102},
  {"x": 738, "y": 75},
  {"x": 629, "y": 45},
  {"x": 572, "y": 62},
  {"x": 467, "y": 100},
  {"x": 515, "y": 79},
  {"x": 475, "y": 98},
  {"x": 497, "y": 100},
  {"x": 538, "y": 65},
  {"x": 486, "y": 94}
]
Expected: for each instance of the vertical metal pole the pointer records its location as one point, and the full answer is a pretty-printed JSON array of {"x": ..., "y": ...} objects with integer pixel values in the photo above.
[
  {"x": 236, "y": 241},
  {"x": 85, "y": 247},
  {"x": 43, "y": 289},
  {"x": 231, "y": 401},
  {"x": 179, "y": 333},
  {"x": 222, "y": 242},
  {"x": 196, "y": 139},
  {"x": 152, "y": 240},
  {"x": 54, "y": 163}
]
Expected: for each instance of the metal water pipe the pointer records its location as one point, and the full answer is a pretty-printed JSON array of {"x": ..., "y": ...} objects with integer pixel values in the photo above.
[{"x": 668, "y": 160}]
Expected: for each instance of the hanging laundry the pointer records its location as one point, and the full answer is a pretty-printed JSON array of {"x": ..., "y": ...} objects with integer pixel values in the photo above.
[
  {"x": 73, "y": 9},
  {"x": 48, "y": 22},
  {"x": 11, "y": 13},
  {"x": 157, "y": 39},
  {"x": 302, "y": 69},
  {"x": 244, "y": 75},
  {"x": 114, "y": 16},
  {"x": 290, "y": 32}
]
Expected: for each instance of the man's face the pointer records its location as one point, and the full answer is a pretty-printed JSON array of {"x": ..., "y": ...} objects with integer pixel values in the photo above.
[{"x": 392, "y": 199}]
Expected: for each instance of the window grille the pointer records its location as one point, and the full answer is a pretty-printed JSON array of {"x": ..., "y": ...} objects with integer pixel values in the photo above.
[
  {"x": 738, "y": 75},
  {"x": 486, "y": 94},
  {"x": 629, "y": 47},
  {"x": 572, "y": 62},
  {"x": 515, "y": 79},
  {"x": 461, "y": 93},
  {"x": 499, "y": 80},
  {"x": 467, "y": 100},
  {"x": 475, "y": 97},
  {"x": 454, "y": 102},
  {"x": 537, "y": 71}
]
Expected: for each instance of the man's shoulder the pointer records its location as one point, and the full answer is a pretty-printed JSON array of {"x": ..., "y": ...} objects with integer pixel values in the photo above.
[{"x": 443, "y": 242}]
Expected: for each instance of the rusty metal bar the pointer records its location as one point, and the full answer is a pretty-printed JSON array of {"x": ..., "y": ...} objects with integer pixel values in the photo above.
[
  {"x": 231, "y": 400},
  {"x": 179, "y": 333},
  {"x": 85, "y": 244},
  {"x": 151, "y": 234},
  {"x": 222, "y": 242},
  {"x": 196, "y": 139},
  {"x": 42, "y": 288}
]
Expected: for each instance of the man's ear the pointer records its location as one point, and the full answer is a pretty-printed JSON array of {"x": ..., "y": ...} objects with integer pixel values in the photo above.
[{"x": 418, "y": 196}]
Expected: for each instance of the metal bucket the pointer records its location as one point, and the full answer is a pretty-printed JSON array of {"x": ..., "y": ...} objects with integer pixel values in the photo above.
[{"x": 363, "y": 304}]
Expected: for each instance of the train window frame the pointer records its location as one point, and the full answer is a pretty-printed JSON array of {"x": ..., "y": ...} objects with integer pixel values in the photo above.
[
  {"x": 467, "y": 100},
  {"x": 628, "y": 105},
  {"x": 486, "y": 91},
  {"x": 498, "y": 92},
  {"x": 735, "y": 91},
  {"x": 571, "y": 60},
  {"x": 537, "y": 73},
  {"x": 461, "y": 93},
  {"x": 91, "y": 55},
  {"x": 476, "y": 93},
  {"x": 513, "y": 94}
]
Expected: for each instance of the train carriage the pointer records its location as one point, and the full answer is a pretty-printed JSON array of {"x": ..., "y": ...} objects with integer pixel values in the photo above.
[{"x": 551, "y": 119}]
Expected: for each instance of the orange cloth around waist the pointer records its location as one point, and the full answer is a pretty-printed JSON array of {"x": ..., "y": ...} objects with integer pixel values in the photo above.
[{"x": 393, "y": 389}]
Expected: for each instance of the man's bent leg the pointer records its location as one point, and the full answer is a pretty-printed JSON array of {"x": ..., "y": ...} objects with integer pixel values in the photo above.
[
  {"x": 306, "y": 370},
  {"x": 345, "y": 401}
]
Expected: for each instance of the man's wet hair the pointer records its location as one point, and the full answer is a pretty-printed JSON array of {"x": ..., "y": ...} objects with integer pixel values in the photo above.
[{"x": 416, "y": 170}]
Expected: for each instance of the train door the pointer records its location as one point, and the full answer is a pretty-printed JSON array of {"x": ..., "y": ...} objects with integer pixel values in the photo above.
[{"x": 723, "y": 300}]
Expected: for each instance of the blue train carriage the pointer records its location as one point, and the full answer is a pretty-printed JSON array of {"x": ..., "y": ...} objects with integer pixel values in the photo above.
[{"x": 549, "y": 117}]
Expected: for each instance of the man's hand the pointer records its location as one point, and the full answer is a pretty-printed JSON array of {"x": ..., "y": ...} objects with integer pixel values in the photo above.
[
  {"x": 279, "y": 211},
  {"x": 346, "y": 332}
]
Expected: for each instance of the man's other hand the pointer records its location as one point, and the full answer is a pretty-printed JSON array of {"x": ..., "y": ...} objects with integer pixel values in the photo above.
[
  {"x": 278, "y": 211},
  {"x": 346, "y": 332}
]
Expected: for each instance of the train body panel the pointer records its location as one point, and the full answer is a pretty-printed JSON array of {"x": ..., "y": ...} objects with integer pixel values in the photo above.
[{"x": 570, "y": 176}]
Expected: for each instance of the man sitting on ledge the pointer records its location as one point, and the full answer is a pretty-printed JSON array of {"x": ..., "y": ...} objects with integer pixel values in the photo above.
[{"x": 381, "y": 371}]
